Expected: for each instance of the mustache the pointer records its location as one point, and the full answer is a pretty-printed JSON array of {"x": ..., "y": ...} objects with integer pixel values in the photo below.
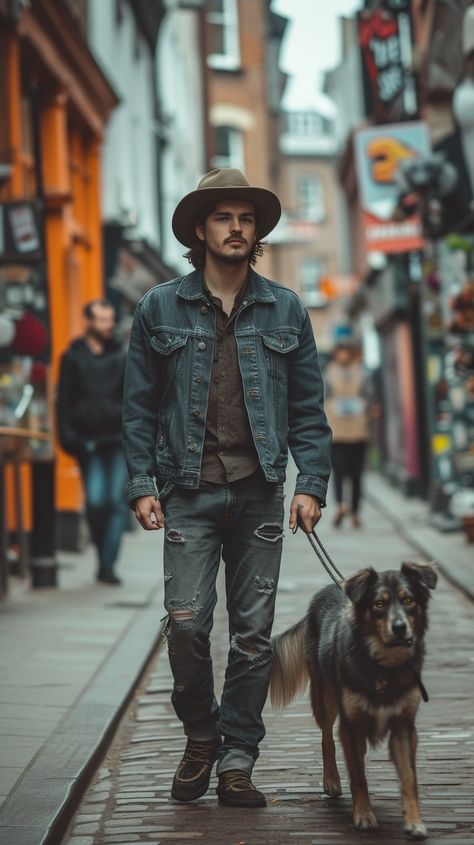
[{"x": 235, "y": 238}]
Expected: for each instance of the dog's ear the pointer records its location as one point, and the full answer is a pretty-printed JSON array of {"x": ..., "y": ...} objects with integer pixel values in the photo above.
[
  {"x": 357, "y": 585},
  {"x": 423, "y": 573}
]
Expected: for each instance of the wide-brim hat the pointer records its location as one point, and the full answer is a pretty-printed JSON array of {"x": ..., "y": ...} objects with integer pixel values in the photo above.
[{"x": 220, "y": 184}]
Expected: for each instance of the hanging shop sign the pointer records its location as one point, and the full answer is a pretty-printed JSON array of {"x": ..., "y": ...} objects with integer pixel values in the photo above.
[
  {"x": 385, "y": 39},
  {"x": 20, "y": 237},
  {"x": 379, "y": 151}
]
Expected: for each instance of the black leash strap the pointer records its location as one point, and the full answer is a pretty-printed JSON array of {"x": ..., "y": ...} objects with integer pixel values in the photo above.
[{"x": 314, "y": 537}]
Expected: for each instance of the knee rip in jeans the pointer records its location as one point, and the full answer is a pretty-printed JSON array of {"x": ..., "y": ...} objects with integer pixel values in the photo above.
[
  {"x": 265, "y": 585},
  {"x": 269, "y": 531},
  {"x": 181, "y": 612},
  {"x": 250, "y": 649}
]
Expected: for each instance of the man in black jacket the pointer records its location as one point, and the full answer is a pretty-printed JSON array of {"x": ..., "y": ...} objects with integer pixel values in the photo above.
[{"x": 89, "y": 408}]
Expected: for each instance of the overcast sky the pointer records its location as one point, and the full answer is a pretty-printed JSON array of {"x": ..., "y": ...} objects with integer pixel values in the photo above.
[{"x": 311, "y": 45}]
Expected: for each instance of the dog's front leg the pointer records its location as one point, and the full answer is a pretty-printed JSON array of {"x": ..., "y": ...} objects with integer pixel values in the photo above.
[
  {"x": 354, "y": 745},
  {"x": 402, "y": 746}
]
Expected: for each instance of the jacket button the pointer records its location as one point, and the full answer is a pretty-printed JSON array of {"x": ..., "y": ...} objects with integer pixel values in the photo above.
[
  {"x": 204, "y": 309},
  {"x": 199, "y": 379},
  {"x": 201, "y": 345},
  {"x": 192, "y": 447},
  {"x": 196, "y": 412}
]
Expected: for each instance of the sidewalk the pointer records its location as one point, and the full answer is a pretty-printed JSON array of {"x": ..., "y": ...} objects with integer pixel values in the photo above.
[
  {"x": 128, "y": 801},
  {"x": 411, "y": 518},
  {"x": 70, "y": 658}
]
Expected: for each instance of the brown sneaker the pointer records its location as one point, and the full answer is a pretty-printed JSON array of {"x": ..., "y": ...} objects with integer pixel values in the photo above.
[
  {"x": 237, "y": 790},
  {"x": 194, "y": 771}
]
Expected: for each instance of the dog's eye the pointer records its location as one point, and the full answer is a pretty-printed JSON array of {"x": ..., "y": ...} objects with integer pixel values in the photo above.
[
  {"x": 407, "y": 600},
  {"x": 379, "y": 603}
]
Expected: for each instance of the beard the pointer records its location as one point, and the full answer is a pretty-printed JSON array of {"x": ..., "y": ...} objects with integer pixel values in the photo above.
[{"x": 233, "y": 259}]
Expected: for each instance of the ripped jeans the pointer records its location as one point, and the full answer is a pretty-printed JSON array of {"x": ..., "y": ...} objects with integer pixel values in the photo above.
[{"x": 243, "y": 522}]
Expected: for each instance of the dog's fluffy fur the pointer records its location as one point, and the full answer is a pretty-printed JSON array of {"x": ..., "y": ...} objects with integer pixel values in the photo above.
[{"x": 361, "y": 650}]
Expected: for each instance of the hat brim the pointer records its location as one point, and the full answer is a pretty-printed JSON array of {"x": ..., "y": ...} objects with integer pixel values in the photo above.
[{"x": 267, "y": 208}]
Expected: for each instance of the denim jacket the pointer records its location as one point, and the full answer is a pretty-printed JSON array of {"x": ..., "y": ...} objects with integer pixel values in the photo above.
[{"x": 167, "y": 384}]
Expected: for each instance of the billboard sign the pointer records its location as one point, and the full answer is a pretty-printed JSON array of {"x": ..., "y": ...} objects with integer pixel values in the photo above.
[
  {"x": 386, "y": 47},
  {"x": 379, "y": 150}
]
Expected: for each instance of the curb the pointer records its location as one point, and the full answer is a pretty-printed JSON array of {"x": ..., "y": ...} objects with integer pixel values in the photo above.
[
  {"x": 41, "y": 805},
  {"x": 421, "y": 547}
]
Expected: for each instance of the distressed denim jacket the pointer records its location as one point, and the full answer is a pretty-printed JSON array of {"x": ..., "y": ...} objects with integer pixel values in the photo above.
[{"x": 167, "y": 385}]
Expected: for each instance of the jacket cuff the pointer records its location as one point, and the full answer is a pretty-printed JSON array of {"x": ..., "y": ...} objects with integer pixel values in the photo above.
[
  {"x": 140, "y": 485},
  {"x": 312, "y": 486}
]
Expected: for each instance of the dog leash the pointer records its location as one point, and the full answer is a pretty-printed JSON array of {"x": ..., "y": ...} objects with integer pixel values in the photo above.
[
  {"x": 330, "y": 563},
  {"x": 326, "y": 563}
]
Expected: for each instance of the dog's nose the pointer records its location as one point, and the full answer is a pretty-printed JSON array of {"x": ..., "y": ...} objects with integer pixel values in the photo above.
[{"x": 399, "y": 628}]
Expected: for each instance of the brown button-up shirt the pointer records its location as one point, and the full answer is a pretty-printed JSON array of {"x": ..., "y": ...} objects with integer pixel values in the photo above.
[{"x": 229, "y": 452}]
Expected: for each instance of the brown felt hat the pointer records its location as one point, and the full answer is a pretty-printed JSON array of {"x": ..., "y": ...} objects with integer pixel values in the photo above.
[{"x": 224, "y": 183}]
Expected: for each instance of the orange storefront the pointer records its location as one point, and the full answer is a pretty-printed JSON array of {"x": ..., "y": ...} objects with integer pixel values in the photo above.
[{"x": 55, "y": 106}]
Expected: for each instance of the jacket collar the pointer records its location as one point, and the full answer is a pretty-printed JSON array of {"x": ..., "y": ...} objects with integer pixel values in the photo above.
[{"x": 190, "y": 287}]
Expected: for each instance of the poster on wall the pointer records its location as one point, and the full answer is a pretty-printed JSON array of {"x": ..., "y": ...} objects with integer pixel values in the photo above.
[
  {"x": 379, "y": 151},
  {"x": 385, "y": 39}
]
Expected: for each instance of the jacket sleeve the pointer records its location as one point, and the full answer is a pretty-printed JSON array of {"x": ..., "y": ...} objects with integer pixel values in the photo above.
[
  {"x": 309, "y": 435},
  {"x": 69, "y": 438},
  {"x": 140, "y": 411}
]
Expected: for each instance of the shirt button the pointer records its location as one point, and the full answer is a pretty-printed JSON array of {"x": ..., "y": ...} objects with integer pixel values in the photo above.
[
  {"x": 221, "y": 428},
  {"x": 201, "y": 345},
  {"x": 204, "y": 309},
  {"x": 223, "y": 373},
  {"x": 245, "y": 302},
  {"x": 192, "y": 447},
  {"x": 196, "y": 412}
]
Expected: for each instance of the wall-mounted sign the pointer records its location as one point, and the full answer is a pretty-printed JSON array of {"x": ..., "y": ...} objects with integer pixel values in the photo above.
[
  {"x": 20, "y": 236},
  {"x": 379, "y": 150},
  {"x": 386, "y": 46}
]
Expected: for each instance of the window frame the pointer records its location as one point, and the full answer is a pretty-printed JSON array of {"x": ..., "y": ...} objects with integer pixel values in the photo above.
[
  {"x": 228, "y": 19},
  {"x": 312, "y": 296},
  {"x": 236, "y": 149},
  {"x": 311, "y": 209}
]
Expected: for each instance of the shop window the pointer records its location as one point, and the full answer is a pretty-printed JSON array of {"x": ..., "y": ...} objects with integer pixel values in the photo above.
[
  {"x": 311, "y": 199},
  {"x": 223, "y": 23},
  {"x": 228, "y": 147},
  {"x": 311, "y": 273}
]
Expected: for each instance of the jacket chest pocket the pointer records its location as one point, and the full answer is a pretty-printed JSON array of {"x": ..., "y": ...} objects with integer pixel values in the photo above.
[
  {"x": 170, "y": 346},
  {"x": 276, "y": 348}
]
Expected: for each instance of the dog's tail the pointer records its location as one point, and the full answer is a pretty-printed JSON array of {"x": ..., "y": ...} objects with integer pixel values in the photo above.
[{"x": 289, "y": 674}]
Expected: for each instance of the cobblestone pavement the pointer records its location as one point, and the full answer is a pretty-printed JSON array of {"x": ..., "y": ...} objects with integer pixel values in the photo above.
[{"x": 128, "y": 801}]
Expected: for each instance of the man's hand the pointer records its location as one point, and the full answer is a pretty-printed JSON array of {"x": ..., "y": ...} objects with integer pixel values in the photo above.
[
  {"x": 308, "y": 509},
  {"x": 145, "y": 507}
]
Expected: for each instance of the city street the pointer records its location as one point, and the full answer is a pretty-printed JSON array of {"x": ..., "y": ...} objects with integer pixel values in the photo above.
[{"x": 129, "y": 801}]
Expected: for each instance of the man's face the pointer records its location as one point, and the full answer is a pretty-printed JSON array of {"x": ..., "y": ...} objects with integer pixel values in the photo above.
[
  {"x": 229, "y": 231},
  {"x": 102, "y": 323}
]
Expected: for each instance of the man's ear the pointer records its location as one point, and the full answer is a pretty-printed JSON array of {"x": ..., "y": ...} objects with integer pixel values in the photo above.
[
  {"x": 200, "y": 232},
  {"x": 357, "y": 585},
  {"x": 424, "y": 573}
]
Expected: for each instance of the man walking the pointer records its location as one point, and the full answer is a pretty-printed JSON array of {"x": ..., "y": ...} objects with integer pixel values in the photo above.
[
  {"x": 222, "y": 376},
  {"x": 89, "y": 409}
]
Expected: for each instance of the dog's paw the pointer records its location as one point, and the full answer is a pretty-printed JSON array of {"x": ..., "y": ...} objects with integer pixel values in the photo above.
[
  {"x": 332, "y": 786},
  {"x": 416, "y": 830},
  {"x": 365, "y": 820}
]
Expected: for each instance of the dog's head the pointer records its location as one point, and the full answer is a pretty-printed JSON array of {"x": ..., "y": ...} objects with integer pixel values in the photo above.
[{"x": 389, "y": 609}]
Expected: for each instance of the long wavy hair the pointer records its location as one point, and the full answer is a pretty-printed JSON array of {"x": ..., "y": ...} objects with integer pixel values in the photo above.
[{"x": 197, "y": 254}]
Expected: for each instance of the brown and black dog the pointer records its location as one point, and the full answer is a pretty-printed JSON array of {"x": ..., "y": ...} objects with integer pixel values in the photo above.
[{"x": 362, "y": 648}]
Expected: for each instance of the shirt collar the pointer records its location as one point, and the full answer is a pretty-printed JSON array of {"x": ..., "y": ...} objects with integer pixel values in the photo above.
[{"x": 258, "y": 289}]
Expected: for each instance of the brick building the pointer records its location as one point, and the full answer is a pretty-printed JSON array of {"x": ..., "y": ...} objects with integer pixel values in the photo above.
[{"x": 243, "y": 88}]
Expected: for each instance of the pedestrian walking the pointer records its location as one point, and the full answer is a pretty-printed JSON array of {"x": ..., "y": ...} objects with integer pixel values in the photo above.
[
  {"x": 222, "y": 375},
  {"x": 347, "y": 391},
  {"x": 89, "y": 411}
]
